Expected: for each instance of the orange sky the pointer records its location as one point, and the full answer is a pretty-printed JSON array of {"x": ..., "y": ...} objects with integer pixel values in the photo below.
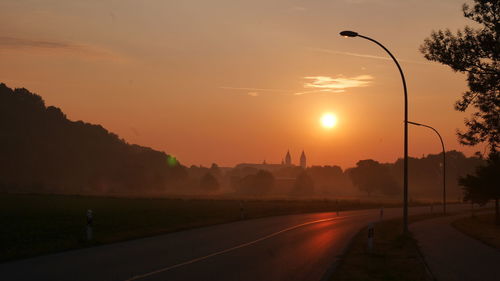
[{"x": 239, "y": 81}]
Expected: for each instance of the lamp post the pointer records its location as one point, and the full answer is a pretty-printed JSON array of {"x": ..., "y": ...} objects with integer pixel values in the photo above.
[
  {"x": 444, "y": 161},
  {"x": 405, "y": 169}
]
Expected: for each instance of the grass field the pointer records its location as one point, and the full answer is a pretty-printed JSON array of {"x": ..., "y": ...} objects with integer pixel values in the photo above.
[
  {"x": 394, "y": 256},
  {"x": 480, "y": 227},
  {"x": 39, "y": 224}
]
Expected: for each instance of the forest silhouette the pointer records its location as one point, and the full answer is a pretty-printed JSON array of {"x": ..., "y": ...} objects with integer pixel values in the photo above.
[{"x": 44, "y": 152}]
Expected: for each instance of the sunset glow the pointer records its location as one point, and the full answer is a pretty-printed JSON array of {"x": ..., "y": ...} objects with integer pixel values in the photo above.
[
  {"x": 249, "y": 140},
  {"x": 202, "y": 80},
  {"x": 328, "y": 120}
]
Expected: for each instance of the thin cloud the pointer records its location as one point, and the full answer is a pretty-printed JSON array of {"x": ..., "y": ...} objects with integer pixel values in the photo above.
[
  {"x": 327, "y": 51},
  {"x": 14, "y": 43},
  {"x": 253, "y": 89},
  {"x": 298, "y": 8},
  {"x": 319, "y": 91},
  {"x": 380, "y": 2},
  {"x": 253, "y": 92},
  {"x": 360, "y": 1},
  {"x": 315, "y": 84},
  {"x": 325, "y": 84}
]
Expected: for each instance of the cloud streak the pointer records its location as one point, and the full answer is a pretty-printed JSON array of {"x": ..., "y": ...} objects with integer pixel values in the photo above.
[
  {"x": 314, "y": 84},
  {"x": 325, "y": 84},
  {"x": 254, "y": 92},
  {"x": 14, "y": 43},
  {"x": 318, "y": 91},
  {"x": 253, "y": 89},
  {"x": 327, "y": 51}
]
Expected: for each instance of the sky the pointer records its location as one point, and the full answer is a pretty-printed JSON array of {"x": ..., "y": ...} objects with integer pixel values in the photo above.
[{"x": 229, "y": 81}]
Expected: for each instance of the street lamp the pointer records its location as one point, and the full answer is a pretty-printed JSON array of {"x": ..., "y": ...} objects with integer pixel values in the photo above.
[
  {"x": 444, "y": 161},
  {"x": 347, "y": 33}
]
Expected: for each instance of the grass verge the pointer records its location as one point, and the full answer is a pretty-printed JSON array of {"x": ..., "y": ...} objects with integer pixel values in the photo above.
[
  {"x": 40, "y": 224},
  {"x": 394, "y": 256},
  {"x": 480, "y": 227}
]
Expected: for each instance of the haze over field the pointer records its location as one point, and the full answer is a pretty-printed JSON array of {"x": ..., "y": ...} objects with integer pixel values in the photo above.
[
  {"x": 271, "y": 140},
  {"x": 239, "y": 81},
  {"x": 44, "y": 152}
]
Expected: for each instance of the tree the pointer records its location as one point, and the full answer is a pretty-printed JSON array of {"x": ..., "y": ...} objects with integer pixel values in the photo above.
[
  {"x": 303, "y": 186},
  {"x": 215, "y": 170},
  {"x": 257, "y": 184},
  {"x": 370, "y": 176},
  {"x": 329, "y": 180},
  {"x": 476, "y": 53},
  {"x": 43, "y": 151},
  {"x": 209, "y": 183},
  {"x": 484, "y": 185}
]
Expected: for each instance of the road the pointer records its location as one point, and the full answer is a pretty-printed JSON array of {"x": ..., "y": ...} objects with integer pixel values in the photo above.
[
  {"x": 294, "y": 247},
  {"x": 454, "y": 256}
]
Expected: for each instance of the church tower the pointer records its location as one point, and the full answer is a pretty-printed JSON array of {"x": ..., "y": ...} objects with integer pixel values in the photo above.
[
  {"x": 303, "y": 160},
  {"x": 288, "y": 158}
]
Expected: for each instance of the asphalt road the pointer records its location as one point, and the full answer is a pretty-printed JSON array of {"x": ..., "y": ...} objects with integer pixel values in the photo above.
[
  {"x": 454, "y": 256},
  {"x": 294, "y": 247}
]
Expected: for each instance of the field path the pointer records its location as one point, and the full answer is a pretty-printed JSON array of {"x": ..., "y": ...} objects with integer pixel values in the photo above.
[{"x": 454, "y": 256}]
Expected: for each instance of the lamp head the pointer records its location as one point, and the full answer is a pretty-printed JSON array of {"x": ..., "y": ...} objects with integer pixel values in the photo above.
[
  {"x": 415, "y": 123},
  {"x": 347, "y": 33}
]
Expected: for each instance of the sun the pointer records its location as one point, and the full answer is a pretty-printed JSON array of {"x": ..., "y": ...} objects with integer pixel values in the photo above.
[{"x": 328, "y": 120}]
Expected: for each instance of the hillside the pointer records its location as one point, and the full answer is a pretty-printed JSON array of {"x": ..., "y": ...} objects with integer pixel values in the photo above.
[{"x": 43, "y": 151}]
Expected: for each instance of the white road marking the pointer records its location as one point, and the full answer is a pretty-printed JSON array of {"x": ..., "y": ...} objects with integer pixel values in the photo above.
[{"x": 137, "y": 277}]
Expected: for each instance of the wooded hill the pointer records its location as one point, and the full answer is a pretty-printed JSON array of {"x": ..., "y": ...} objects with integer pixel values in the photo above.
[{"x": 42, "y": 151}]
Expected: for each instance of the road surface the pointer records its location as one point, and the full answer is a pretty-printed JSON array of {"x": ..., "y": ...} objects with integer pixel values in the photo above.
[
  {"x": 294, "y": 247},
  {"x": 454, "y": 256}
]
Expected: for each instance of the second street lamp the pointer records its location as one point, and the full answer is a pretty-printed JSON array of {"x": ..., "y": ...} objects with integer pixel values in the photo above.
[
  {"x": 348, "y": 33},
  {"x": 444, "y": 161}
]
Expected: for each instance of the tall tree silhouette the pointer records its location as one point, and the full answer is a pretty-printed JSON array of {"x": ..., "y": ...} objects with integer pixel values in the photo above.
[
  {"x": 484, "y": 185},
  {"x": 370, "y": 176},
  {"x": 329, "y": 180},
  {"x": 476, "y": 52}
]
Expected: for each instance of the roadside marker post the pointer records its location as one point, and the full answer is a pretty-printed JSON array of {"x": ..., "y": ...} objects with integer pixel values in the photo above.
[
  {"x": 371, "y": 233},
  {"x": 242, "y": 211},
  {"x": 90, "y": 222}
]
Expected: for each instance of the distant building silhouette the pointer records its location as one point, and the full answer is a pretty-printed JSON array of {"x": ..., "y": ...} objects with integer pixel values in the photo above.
[
  {"x": 286, "y": 162},
  {"x": 262, "y": 166},
  {"x": 303, "y": 160},
  {"x": 288, "y": 158}
]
